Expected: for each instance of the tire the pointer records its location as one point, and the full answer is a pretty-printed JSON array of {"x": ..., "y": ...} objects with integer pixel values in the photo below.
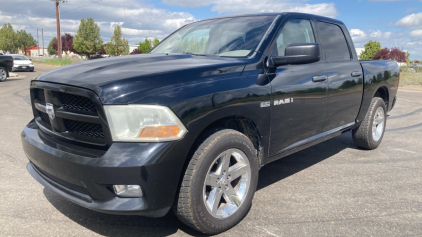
[
  {"x": 370, "y": 132},
  {"x": 224, "y": 148},
  {"x": 3, "y": 74}
]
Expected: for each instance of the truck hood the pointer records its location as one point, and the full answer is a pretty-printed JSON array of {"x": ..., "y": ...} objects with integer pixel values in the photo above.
[{"x": 122, "y": 80}]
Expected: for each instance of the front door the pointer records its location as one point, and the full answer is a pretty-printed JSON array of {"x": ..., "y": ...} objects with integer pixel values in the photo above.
[{"x": 299, "y": 92}]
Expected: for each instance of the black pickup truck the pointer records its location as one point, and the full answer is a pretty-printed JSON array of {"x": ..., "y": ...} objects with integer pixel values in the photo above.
[
  {"x": 188, "y": 125},
  {"x": 6, "y": 65}
]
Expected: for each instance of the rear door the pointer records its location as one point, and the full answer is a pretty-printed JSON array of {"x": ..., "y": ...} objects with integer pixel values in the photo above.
[
  {"x": 299, "y": 92},
  {"x": 345, "y": 83}
]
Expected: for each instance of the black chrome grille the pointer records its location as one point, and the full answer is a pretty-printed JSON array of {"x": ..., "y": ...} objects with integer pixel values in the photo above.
[
  {"x": 44, "y": 117},
  {"x": 39, "y": 95},
  {"x": 77, "y": 114},
  {"x": 76, "y": 103},
  {"x": 84, "y": 128}
]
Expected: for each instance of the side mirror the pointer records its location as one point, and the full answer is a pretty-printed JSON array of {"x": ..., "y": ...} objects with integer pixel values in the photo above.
[{"x": 297, "y": 54}]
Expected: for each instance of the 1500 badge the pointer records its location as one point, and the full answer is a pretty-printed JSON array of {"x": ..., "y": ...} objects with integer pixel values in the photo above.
[
  {"x": 277, "y": 102},
  {"x": 283, "y": 101}
]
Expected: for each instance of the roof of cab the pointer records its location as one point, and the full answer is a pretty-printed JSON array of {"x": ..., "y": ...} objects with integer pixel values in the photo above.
[{"x": 275, "y": 14}]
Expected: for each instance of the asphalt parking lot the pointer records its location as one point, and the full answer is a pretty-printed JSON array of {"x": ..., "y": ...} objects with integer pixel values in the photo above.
[{"x": 331, "y": 189}]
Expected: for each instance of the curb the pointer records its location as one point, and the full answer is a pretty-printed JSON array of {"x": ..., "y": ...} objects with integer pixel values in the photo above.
[{"x": 11, "y": 74}]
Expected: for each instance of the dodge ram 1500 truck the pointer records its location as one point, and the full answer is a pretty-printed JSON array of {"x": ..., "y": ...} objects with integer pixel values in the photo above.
[
  {"x": 188, "y": 125},
  {"x": 6, "y": 65}
]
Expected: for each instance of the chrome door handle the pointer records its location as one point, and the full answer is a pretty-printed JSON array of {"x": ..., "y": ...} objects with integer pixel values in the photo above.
[
  {"x": 356, "y": 74},
  {"x": 319, "y": 78}
]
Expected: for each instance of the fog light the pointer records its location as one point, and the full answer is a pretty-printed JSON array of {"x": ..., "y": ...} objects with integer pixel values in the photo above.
[{"x": 128, "y": 190}]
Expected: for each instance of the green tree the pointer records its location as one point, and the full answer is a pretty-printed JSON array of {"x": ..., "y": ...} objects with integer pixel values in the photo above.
[
  {"x": 88, "y": 40},
  {"x": 155, "y": 42},
  {"x": 8, "y": 38},
  {"x": 117, "y": 44},
  {"x": 50, "y": 49},
  {"x": 25, "y": 40},
  {"x": 145, "y": 46},
  {"x": 371, "y": 48}
]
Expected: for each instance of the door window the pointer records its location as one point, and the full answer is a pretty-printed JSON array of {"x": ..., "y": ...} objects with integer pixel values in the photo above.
[
  {"x": 333, "y": 42},
  {"x": 294, "y": 31}
]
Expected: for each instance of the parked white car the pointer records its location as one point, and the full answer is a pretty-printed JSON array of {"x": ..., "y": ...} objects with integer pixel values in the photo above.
[{"x": 21, "y": 63}]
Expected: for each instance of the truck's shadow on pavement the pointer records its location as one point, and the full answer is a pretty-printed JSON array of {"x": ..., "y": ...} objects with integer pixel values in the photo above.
[{"x": 113, "y": 225}]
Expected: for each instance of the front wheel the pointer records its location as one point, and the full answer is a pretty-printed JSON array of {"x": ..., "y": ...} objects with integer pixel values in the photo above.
[
  {"x": 371, "y": 131},
  {"x": 3, "y": 74},
  {"x": 219, "y": 183}
]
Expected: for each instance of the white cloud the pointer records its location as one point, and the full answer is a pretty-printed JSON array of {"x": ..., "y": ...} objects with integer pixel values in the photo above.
[
  {"x": 412, "y": 21},
  {"x": 359, "y": 36},
  {"x": 416, "y": 33},
  {"x": 402, "y": 40},
  {"x": 138, "y": 21},
  {"x": 252, "y": 6},
  {"x": 188, "y": 3}
]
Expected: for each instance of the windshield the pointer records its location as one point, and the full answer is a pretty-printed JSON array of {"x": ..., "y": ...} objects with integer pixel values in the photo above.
[
  {"x": 18, "y": 57},
  {"x": 227, "y": 37}
]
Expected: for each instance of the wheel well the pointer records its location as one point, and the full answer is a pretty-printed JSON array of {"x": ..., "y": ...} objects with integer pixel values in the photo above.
[
  {"x": 382, "y": 93},
  {"x": 240, "y": 124}
]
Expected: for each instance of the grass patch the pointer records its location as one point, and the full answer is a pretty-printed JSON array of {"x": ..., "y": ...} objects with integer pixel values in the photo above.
[
  {"x": 58, "y": 62},
  {"x": 411, "y": 80}
]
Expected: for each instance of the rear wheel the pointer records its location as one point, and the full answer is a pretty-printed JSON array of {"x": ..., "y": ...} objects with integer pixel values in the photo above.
[
  {"x": 3, "y": 74},
  {"x": 371, "y": 131},
  {"x": 219, "y": 183}
]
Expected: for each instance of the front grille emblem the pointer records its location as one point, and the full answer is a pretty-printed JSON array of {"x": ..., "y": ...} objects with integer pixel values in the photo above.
[{"x": 50, "y": 110}]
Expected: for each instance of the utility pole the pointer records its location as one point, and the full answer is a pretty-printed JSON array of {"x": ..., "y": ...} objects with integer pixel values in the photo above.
[
  {"x": 59, "y": 45},
  {"x": 42, "y": 35},
  {"x": 38, "y": 42}
]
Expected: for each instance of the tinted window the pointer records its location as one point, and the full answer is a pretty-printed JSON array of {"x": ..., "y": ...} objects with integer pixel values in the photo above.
[
  {"x": 294, "y": 31},
  {"x": 333, "y": 42}
]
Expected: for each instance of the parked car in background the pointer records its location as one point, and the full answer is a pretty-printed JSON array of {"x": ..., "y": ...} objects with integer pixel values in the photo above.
[
  {"x": 6, "y": 64},
  {"x": 22, "y": 63},
  {"x": 187, "y": 126},
  {"x": 96, "y": 56}
]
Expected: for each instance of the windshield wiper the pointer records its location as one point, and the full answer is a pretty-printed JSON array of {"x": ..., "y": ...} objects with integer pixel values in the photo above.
[{"x": 196, "y": 54}]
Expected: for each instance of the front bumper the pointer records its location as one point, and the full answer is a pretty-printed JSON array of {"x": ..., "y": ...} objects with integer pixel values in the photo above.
[
  {"x": 85, "y": 175},
  {"x": 23, "y": 68}
]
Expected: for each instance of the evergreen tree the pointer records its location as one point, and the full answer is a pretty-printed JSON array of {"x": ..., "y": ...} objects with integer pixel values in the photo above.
[{"x": 88, "y": 40}]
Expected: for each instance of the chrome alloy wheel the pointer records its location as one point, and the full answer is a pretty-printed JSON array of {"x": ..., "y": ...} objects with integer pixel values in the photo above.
[
  {"x": 378, "y": 124},
  {"x": 227, "y": 183},
  {"x": 3, "y": 74}
]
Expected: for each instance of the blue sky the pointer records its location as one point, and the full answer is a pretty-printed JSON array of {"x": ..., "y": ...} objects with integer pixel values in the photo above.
[{"x": 395, "y": 23}]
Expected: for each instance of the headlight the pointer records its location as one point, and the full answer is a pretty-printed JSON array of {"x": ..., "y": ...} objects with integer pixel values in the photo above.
[{"x": 143, "y": 123}]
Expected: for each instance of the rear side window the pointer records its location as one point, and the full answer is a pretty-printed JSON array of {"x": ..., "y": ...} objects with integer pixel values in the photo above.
[{"x": 333, "y": 42}]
